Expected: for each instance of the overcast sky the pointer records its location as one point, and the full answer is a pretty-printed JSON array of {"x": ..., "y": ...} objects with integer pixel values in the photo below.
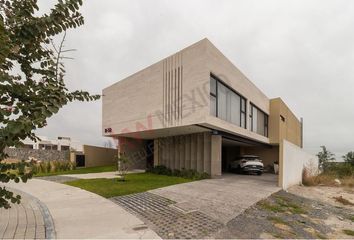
[{"x": 302, "y": 51}]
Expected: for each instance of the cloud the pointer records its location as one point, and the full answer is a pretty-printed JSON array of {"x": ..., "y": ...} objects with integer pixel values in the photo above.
[{"x": 300, "y": 50}]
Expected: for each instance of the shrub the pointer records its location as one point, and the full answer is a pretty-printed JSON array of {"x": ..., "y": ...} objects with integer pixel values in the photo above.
[
  {"x": 342, "y": 171},
  {"x": 52, "y": 166},
  {"x": 185, "y": 173}
]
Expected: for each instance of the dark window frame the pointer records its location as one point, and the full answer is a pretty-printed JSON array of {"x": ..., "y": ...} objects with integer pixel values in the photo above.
[
  {"x": 218, "y": 80},
  {"x": 266, "y": 120}
]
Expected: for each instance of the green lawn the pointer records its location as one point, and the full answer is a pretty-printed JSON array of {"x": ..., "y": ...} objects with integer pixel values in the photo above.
[
  {"x": 135, "y": 183},
  {"x": 81, "y": 170}
]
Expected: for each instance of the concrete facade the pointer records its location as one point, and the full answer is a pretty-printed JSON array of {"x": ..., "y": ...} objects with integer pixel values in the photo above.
[
  {"x": 292, "y": 163},
  {"x": 168, "y": 105}
]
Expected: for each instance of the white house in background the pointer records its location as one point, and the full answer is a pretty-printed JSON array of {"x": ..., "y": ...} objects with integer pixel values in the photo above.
[{"x": 60, "y": 144}]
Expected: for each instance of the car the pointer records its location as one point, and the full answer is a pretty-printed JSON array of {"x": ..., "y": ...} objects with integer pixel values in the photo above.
[{"x": 247, "y": 164}]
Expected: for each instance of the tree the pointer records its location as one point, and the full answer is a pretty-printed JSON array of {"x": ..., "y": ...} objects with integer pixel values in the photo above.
[
  {"x": 32, "y": 86},
  {"x": 123, "y": 163},
  {"x": 349, "y": 158},
  {"x": 324, "y": 157}
]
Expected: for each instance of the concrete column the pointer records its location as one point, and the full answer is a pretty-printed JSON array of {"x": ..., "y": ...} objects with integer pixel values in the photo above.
[
  {"x": 207, "y": 152},
  {"x": 171, "y": 153},
  {"x": 176, "y": 150},
  {"x": 188, "y": 154},
  {"x": 194, "y": 151},
  {"x": 156, "y": 152},
  {"x": 216, "y": 145},
  {"x": 182, "y": 154},
  {"x": 200, "y": 152}
]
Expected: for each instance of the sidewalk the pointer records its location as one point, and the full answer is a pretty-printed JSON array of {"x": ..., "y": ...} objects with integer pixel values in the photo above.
[
  {"x": 99, "y": 175},
  {"x": 80, "y": 214}
]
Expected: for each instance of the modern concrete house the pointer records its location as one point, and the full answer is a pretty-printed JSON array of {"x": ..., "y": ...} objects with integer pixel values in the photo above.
[{"x": 196, "y": 110}]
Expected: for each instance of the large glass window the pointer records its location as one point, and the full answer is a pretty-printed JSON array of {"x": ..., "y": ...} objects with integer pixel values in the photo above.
[
  {"x": 259, "y": 121},
  {"x": 213, "y": 102},
  {"x": 227, "y": 104}
]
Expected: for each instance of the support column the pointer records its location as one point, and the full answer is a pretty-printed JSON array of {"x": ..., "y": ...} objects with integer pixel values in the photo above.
[
  {"x": 216, "y": 145},
  {"x": 207, "y": 152},
  {"x": 156, "y": 152}
]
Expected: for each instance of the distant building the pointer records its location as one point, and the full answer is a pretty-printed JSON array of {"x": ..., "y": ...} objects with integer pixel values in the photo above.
[{"x": 60, "y": 144}]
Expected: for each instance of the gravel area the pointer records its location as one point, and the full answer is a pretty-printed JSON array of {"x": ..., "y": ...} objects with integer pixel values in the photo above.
[{"x": 285, "y": 215}]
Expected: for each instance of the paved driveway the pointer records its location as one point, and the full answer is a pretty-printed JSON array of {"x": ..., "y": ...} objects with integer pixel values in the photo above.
[{"x": 221, "y": 199}]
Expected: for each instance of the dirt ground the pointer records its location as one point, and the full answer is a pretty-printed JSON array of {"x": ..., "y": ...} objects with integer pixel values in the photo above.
[
  {"x": 300, "y": 213},
  {"x": 325, "y": 194}
]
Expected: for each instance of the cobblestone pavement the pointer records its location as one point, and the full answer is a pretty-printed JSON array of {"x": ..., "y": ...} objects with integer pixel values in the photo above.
[
  {"x": 58, "y": 179},
  {"x": 167, "y": 221},
  {"x": 27, "y": 220}
]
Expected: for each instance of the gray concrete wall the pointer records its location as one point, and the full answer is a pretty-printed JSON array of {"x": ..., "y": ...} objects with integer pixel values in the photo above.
[
  {"x": 39, "y": 154},
  {"x": 135, "y": 150}
]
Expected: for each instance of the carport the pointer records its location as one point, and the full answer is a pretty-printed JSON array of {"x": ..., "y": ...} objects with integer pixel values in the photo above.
[{"x": 233, "y": 146}]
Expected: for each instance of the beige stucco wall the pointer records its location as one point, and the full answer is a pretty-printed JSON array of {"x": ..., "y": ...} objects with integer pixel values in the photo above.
[
  {"x": 175, "y": 92},
  {"x": 290, "y": 129},
  {"x": 99, "y": 156}
]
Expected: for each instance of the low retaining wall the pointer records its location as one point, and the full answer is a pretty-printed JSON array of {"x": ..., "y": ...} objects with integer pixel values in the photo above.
[
  {"x": 39, "y": 154},
  {"x": 294, "y": 159}
]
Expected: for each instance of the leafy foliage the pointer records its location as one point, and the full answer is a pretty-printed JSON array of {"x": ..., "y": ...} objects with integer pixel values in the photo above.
[
  {"x": 325, "y": 157},
  {"x": 349, "y": 158},
  {"x": 123, "y": 163},
  {"x": 184, "y": 173},
  {"x": 52, "y": 167},
  {"x": 32, "y": 86}
]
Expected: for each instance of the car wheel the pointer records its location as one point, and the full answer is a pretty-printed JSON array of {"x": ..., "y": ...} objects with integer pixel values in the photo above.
[{"x": 259, "y": 173}]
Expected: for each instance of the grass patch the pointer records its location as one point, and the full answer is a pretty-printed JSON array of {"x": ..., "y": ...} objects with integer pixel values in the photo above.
[
  {"x": 351, "y": 218},
  {"x": 134, "y": 183},
  {"x": 282, "y": 204},
  {"x": 343, "y": 201},
  {"x": 275, "y": 219},
  {"x": 80, "y": 171},
  {"x": 348, "y": 232},
  {"x": 270, "y": 207}
]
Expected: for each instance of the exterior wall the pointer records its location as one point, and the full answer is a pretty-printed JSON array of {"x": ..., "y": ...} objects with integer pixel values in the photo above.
[
  {"x": 178, "y": 89},
  {"x": 39, "y": 154},
  {"x": 99, "y": 156},
  {"x": 174, "y": 87},
  {"x": 134, "y": 150},
  {"x": 290, "y": 129},
  {"x": 292, "y": 162},
  {"x": 201, "y": 152},
  {"x": 269, "y": 155},
  {"x": 227, "y": 72}
]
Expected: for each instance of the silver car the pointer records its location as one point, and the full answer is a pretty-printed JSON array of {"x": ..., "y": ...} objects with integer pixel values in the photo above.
[{"x": 247, "y": 164}]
